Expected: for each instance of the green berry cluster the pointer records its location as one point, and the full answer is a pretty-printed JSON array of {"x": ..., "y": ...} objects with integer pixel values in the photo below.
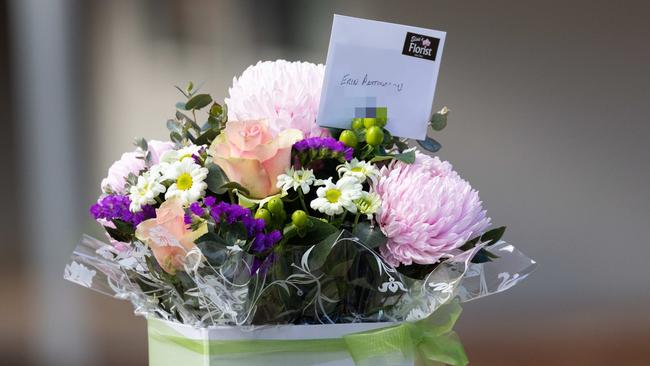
[{"x": 369, "y": 138}]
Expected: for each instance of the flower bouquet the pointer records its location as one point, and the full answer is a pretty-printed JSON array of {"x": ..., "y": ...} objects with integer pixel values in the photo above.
[{"x": 256, "y": 236}]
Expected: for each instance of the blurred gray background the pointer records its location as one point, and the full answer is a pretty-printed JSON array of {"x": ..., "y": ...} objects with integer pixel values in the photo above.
[{"x": 550, "y": 121}]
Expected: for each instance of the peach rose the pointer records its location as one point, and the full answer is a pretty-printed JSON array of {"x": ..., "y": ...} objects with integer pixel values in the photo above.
[
  {"x": 251, "y": 155},
  {"x": 168, "y": 236}
]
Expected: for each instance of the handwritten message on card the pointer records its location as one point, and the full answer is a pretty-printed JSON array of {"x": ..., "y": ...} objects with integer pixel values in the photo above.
[{"x": 375, "y": 65}]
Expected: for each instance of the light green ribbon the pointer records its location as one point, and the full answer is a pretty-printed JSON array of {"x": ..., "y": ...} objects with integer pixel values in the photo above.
[{"x": 429, "y": 342}]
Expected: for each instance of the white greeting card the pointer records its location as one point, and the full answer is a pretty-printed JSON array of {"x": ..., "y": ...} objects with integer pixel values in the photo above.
[{"x": 378, "y": 69}]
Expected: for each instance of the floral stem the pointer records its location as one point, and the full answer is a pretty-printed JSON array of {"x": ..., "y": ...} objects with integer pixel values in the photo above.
[
  {"x": 356, "y": 221},
  {"x": 302, "y": 200}
]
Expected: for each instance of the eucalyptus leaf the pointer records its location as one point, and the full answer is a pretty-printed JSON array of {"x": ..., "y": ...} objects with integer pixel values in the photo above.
[
  {"x": 174, "y": 126},
  {"x": 406, "y": 157},
  {"x": 372, "y": 237},
  {"x": 198, "y": 101},
  {"x": 141, "y": 143},
  {"x": 216, "y": 110},
  {"x": 216, "y": 178},
  {"x": 176, "y": 137},
  {"x": 207, "y": 137},
  {"x": 230, "y": 186},
  {"x": 430, "y": 144},
  {"x": 439, "y": 120},
  {"x": 181, "y": 106}
]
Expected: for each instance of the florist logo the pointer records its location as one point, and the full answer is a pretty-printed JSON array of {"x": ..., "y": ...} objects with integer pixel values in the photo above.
[{"x": 420, "y": 46}]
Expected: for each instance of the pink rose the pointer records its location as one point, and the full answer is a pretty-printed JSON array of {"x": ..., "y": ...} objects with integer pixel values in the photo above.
[
  {"x": 253, "y": 156},
  {"x": 157, "y": 148},
  {"x": 167, "y": 235}
]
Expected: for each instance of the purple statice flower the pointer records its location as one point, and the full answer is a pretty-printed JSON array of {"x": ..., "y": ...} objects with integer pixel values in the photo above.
[
  {"x": 209, "y": 201},
  {"x": 263, "y": 265},
  {"x": 187, "y": 219},
  {"x": 116, "y": 207},
  {"x": 264, "y": 242},
  {"x": 229, "y": 214},
  {"x": 325, "y": 147},
  {"x": 196, "y": 209}
]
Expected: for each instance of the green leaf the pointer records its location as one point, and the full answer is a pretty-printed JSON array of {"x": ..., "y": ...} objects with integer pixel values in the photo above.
[
  {"x": 216, "y": 110},
  {"x": 174, "y": 126},
  {"x": 216, "y": 177},
  {"x": 230, "y": 186},
  {"x": 181, "y": 106},
  {"x": 176, "y": 137},
  {"x": 407, "y": 157},
  {"x": 372, "y": 237},
  {"x": 493, "y": 236},
  {"x": 319, "y": 230},
  {"x": 209, "y": 236},
  {"x": 124, "y": 227},
  {"x": 198, "y": 101},
  {"x": 321, "y": 250},
  {"x": 430, "y": 144},
  {"x": 207, "y": 137},
  {"x": 141, "y": 143},
  {"x": 118, "y": 234},
  {"x": 234, "y": 233},
  {"x": 484, "y": 255},
  {"x": 439, "y": 120},
  {"x": 417, "y": 271},
  {"x": 218, "y": 182},
  {"x": 469, "y": 244}
]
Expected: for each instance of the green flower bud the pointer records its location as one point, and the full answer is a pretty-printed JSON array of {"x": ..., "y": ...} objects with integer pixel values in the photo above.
[
  {"x": 299, "y": 218},
  {"x": 374, "y": 136},
  {"x": 349, "y": 138}
]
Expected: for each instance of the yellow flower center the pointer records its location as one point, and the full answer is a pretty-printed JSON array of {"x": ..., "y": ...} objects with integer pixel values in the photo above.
[
  {"x": 184, "y": 181},
  {"x": 357, "y": 169},
  {"x": 333, "y": 195}
]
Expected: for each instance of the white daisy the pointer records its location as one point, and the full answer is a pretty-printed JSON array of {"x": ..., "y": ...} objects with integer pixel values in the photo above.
[
  {"x": 172, "y": 156},
  {"x": 302, "y": 178},
  {"x": 333, "y": 199},
  {"x": 146, "y": 190},
  {"x": 360, "y": 170},
  {"x": 188, "y": 180},
  {"x": 368, "y": 204}
]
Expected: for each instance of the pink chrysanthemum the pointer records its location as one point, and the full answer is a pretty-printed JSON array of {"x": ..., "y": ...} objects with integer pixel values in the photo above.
[
  {"x": 427, "y": 211},
  {"x": 285, "y": 93},
  {"x": 132, "y": 162}
]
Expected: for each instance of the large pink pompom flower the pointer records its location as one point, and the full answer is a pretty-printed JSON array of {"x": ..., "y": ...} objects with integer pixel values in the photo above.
[
  {"x": 284, "y": 93},
  {"x": 427, "y": 211}
]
